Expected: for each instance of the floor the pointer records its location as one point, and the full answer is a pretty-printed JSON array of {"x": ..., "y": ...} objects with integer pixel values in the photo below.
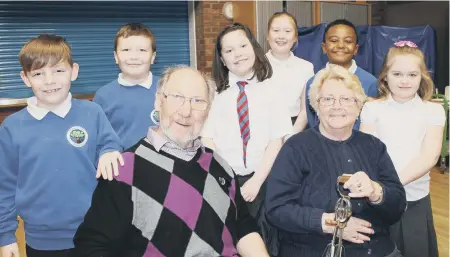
[{"x": 439, "y": 201}]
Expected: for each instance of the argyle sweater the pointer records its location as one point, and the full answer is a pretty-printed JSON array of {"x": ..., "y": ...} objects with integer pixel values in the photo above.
[{"x": 161, "y": 205}]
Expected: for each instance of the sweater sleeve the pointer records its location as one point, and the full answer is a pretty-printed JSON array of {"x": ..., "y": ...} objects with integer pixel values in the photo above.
[
  {"x": 310, "y": 113},
  {"x": 245, "y": 223},
  {"x": 8, "y": 184},
  {"x": 372, "y": 91},
  {"x": 283, "y": 190},
  {"x": 98, "y": 99},
  {"x": 394, "y": 199},
  {"x": 107, "y": 139},
  {"x": 107, "y": 222}
]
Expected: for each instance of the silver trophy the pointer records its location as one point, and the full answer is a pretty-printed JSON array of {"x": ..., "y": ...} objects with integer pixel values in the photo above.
[{"x": 343, "y": 212}]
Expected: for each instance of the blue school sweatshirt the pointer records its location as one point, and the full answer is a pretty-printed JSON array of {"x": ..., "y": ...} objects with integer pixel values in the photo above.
[
  {"x": 368, "y": 82},
  {"x": 128, "y": 109},
  {"x": 47, "y": 172}
]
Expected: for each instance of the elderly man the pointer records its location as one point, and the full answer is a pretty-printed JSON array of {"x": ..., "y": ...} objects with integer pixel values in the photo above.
[{"x": 173, "y": 196}]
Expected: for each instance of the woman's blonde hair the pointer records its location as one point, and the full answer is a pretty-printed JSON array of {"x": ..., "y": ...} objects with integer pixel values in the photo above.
[
  {"x": 336, "y": 72},
  {"x": 426, "y": 83}
]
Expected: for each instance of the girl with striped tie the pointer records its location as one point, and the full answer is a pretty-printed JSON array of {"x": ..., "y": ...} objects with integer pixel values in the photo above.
[{"x": 246, "y": 123}]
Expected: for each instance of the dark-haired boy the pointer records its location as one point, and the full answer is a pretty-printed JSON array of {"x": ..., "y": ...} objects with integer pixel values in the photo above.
[{"x": 340, "y": 43}]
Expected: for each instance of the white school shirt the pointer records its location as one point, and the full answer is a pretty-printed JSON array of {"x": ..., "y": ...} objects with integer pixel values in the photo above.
[
  {"x": 352, "y": 67},
  {"x": 291, "y": 76},
  {"x": 402, "y": 127},
  {"x": 146, "y": 84},
  {"x": 268, "y": 120},
  {"x": 39, "y": 112}
]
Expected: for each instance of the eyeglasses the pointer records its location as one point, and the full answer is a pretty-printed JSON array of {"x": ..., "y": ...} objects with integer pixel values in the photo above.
[
  {"x": 344, "y": 101},
  {"x": 178, "y": 101}
]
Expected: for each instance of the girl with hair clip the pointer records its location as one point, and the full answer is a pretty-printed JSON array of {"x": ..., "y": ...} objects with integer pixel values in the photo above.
[
  {"x": 246, "y": 122},
  {"x": 412, "y": 128},
  {"x": 290, "y": 71}
]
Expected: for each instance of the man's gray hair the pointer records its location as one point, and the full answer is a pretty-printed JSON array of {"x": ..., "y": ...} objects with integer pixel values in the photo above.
[{"x": 211, "y": 85}]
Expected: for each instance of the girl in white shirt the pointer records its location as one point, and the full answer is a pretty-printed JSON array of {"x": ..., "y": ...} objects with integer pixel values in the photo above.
[
  {"x": 290, "y": 71},
  {"x": 240, "y": 59},
  {"x": 412, "y": 128}
]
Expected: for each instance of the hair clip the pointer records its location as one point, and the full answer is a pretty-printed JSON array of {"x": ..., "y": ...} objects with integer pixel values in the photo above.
[{"x": 405, "y": 43}]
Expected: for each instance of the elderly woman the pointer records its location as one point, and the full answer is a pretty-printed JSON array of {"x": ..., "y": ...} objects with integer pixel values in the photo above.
[{"x": 301, "y": 189}]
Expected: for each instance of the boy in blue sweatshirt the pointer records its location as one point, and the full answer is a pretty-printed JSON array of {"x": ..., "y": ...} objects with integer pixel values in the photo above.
[
  {"x": 340, "y": 43},
  {"x": 128, "y": 101},
  {"x": 49, "y": 152}
]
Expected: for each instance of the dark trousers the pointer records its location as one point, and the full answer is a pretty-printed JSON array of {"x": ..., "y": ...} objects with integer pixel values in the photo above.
[{"x": 40, "y": 253}]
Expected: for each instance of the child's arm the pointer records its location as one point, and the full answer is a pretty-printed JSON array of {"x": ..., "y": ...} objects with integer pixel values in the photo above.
[
  {"x": 279, "y": 127},
  {"x": 367, "y": 128},
  {"x": 368, "y": 119},
  {"x": 108, "y": 148},
  {"x": 302, "y": 119},
  {"x": 250, "y": 189},
  {"x": 8, "y": 187},
  {"x": 429, "y": 155}
]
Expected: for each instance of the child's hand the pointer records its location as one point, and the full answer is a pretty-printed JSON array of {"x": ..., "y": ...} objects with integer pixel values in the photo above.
[
  {"x": 11, "y": 250},
  {"x": 108, "y": 164},
  {"x": 250, "y": 189}
]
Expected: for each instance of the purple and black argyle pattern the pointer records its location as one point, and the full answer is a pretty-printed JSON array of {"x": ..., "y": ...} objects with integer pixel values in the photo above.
[{"x": 182, "y": 208}]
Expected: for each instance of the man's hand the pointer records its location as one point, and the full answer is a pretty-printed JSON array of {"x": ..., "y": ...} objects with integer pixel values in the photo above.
[
  {"x": 108, "y": 164},
  {"x": 11, "y": 250}
]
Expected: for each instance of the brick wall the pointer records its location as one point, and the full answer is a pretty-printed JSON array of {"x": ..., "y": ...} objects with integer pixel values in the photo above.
[{"x": 209, "y": 20}]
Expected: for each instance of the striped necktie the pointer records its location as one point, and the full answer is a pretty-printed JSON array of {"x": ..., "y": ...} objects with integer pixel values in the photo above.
[{"x": 244, "y": 121}]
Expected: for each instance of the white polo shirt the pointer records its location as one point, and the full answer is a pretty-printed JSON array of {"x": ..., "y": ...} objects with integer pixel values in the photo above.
[
  {"x": 40, "y": 112},
  {"x": 146, "y": 84},
  {"x": 268, "y": 120},
  {"x": 402, "y": 127},
  {"x": 291, "y": 76}
]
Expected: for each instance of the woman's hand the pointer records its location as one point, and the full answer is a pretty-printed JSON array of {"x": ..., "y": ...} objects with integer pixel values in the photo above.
[
  {"x": 357, "y": 230},
  {"x": 360, "y": 185}
]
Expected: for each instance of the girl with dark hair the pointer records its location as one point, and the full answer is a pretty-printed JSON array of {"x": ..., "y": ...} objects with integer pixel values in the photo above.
[{"x": 246, "y": 123}]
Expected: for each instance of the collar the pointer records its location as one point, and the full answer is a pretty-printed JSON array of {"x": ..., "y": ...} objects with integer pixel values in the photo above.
[
  {"x": 165, "y": 144},
  {"x": 233, "y": 79},
  {"x": 276, "y": 61},
  {"x": 416, "y": 101},
  {"x": 147, "y": 83},
  {"x": 352, "y": 68},
  {"x": 40, "y": 112}
]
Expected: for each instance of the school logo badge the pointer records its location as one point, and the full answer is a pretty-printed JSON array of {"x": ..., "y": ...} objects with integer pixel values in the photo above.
[
  {"x": 154, "y": 115},
  {"x": 77, "y": 136}
]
